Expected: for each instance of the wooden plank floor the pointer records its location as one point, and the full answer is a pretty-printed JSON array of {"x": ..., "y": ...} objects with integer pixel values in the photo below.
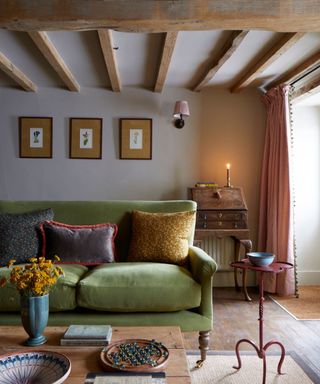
[{"x": 235, "y": 319}]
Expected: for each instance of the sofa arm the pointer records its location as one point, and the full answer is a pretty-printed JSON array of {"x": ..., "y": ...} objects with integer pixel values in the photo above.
[{"x": 203, "y": 268}]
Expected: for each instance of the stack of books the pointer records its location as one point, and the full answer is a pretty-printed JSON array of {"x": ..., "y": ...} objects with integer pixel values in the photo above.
[
  {"x": 125, "y": 378},
  {"x": 87, "y": 335},
  {"x": 206, "y": 184}
]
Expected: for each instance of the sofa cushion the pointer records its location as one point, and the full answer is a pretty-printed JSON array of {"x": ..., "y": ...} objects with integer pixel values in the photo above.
[
  {"x": 62, "y": 295},
  {"x": 79, "y": 244},
  {"x": 19, "y": 237},
  {"x": 161, "y": 237},
  {"x": 138, "y": 287}
]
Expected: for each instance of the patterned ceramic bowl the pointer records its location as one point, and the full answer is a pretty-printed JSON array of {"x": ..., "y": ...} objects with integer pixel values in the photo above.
[
  {"x": 260, "y": 259},
  {"x": 34, "y": 367}
]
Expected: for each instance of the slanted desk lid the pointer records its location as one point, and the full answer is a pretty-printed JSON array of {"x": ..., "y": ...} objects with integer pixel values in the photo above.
[{"x": 219, "y": 198}]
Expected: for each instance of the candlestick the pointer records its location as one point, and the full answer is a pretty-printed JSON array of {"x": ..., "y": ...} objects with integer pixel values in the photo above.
[{"x": 228, "y": 175}]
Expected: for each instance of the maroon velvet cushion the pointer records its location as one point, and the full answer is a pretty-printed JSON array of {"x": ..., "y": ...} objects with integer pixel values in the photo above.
[{"x": 79, "y": 244}]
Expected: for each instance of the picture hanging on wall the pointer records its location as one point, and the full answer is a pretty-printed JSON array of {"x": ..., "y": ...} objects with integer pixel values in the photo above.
[
  {"x": 35, "y": 137},
  {"x": 136, "y": 139},
  {"x": 85, "y": 138}
]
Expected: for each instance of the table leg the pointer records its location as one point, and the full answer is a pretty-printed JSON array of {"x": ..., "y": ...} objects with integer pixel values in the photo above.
[
  {"x": 261, "y": 351},
  {"x": 247, "y": 244},
  {"x": 248, "y": 247},
  {"x": 236, "y": 258}
]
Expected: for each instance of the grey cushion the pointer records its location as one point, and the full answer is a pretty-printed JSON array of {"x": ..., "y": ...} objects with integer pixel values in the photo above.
[
  {"x": 79, "y": 244},
  {"x": 19, "y": 235}
]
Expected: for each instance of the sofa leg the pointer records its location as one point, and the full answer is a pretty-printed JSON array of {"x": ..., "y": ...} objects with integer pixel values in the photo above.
[{"x": 204, "y": 337}]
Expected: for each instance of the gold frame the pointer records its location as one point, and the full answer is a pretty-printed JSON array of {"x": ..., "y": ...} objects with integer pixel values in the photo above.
[
  {"x": 91, "y": 146},
  {"x": 136, "y": 139},
  {"x": 35, "y": 137}
]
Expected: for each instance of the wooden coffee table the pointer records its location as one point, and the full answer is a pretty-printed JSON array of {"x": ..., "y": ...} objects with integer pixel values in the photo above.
[{"x": 86, "y": 359}]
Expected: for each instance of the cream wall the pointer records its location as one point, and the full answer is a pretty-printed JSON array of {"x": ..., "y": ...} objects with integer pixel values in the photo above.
[
  {"x": 232, "y": 131},
  {"x": 306, "y": 181}
]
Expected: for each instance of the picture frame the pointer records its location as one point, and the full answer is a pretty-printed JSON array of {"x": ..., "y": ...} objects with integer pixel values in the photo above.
[
  {"x": 135, "y": 139},
  {"x": 85, "y": 138},
  {"x": 35, "y": 137}
]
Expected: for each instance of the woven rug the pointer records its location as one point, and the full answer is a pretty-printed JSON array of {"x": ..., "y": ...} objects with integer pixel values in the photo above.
[
  {"x": 305, "y": 307},
  {"x": 218, "y": 369}
]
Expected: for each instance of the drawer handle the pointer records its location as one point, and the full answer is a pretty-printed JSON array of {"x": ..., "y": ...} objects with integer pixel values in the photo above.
[
  {"x": 204, "y": 225},
  {"x": 220, "y": 215},
  {"x": 220, "y": 223},
  {"x": 235, "y": 225},
  {"x": 205, "y": 217}
]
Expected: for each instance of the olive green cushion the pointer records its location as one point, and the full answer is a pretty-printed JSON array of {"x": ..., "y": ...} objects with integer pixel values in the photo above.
[
  {"x": 139, "y": 287},
  {"x": 62, "y": 295}
]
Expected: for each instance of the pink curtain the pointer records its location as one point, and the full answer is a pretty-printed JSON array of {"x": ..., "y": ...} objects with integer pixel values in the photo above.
[{"x": 275, "y": 221}]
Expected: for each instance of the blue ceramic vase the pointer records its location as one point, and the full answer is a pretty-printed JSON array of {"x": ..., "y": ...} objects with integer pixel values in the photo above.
[{"x": 34, "y": 316}]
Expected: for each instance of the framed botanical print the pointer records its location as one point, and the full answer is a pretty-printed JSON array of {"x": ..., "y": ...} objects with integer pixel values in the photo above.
[
  {"x": 136, "y": 139},
  {"x": 35, "y": 137},
  {"x": 85, "y": 138}
]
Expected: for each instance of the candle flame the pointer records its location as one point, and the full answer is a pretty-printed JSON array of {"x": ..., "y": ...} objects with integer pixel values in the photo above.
[{"x": 228, "y": 165}]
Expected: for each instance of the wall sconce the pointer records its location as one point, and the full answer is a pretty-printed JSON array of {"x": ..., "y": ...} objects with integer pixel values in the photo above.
[{"x": 181, "y": 109}]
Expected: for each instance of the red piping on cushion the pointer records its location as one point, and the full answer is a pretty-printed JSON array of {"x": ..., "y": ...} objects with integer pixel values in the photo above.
[{"x": 63, "y": 225}]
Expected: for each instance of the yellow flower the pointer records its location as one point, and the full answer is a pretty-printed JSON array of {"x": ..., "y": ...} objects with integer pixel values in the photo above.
[
  {"x": 34, "y": 279},
  {"x": 11, "y": 262}
]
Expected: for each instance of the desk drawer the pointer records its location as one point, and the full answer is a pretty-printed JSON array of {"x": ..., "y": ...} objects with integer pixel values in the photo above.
[
  {"x": 221, "y": 219},
  {"x": 220, "y": 215}
]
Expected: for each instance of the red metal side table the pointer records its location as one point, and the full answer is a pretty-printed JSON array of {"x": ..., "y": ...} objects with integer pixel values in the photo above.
[{"x": 261, "y": 351}]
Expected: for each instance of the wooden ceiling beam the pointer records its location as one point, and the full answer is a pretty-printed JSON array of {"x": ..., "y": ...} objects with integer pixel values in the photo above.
[
  {"x": 49, "y": 51},
  {"x": 18, "y": 76},
  {"x": 309, "y": 88},
  {"x": 228, "y": 49},
  {"x": 167, "y": 51},
  {"x": 160, "y": 15},
  {"x": 298, "y": 71},
  {"x": 106, "y": 42},
  {"x": 273, "y": 54}
]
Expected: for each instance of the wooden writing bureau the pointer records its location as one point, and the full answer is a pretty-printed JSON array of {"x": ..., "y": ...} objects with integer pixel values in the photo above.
[{"x": 223, "y": 212}]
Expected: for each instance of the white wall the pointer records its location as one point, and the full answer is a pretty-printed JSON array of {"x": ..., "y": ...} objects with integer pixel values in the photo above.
[{"x": 306, "y": 178}]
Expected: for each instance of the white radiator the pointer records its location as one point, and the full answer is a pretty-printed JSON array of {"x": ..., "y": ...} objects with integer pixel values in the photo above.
[{"x": 221, "y": 250}]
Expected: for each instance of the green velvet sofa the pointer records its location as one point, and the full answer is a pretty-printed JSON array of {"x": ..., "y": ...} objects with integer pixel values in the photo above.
[{"x": 122, "y": 293}]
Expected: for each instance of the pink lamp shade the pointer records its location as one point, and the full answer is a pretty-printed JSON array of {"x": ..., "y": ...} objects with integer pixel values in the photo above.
[{"x": 181, "y": 108}]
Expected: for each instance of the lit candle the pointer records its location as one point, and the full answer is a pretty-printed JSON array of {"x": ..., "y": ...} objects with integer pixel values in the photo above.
[{"x": 228, "y": 175}]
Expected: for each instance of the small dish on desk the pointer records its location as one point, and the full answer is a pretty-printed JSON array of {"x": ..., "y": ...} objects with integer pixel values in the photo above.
[
  {"x": 260, "y": 259},
  {"x": 42, "y": 367}
]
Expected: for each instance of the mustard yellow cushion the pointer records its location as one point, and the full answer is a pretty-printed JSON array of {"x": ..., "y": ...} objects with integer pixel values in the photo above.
[{"x": 161, "y": 237}]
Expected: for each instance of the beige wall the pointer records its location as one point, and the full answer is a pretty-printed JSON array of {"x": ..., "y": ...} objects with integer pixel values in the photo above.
[{"x": 232, "y": 131}]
